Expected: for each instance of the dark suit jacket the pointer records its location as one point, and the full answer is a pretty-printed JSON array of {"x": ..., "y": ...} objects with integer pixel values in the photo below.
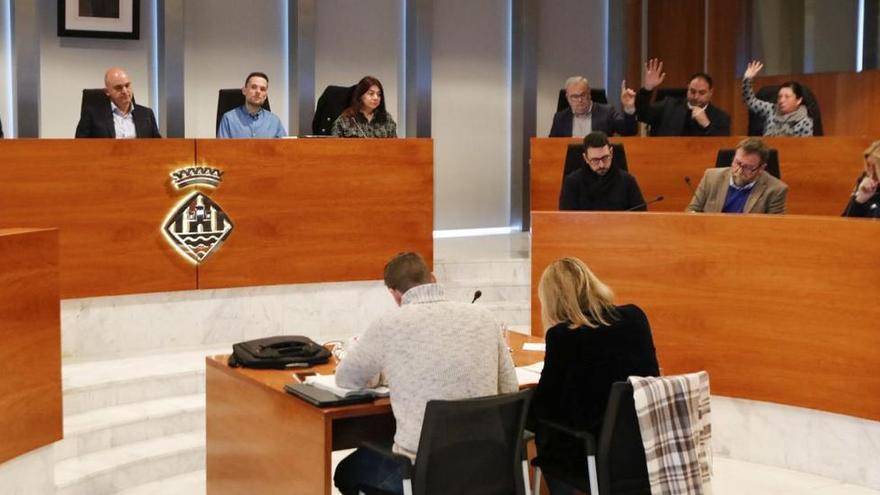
[
  {"x": 767, "y": 196},
  {"x": 603, "y": 118},
  {"x": 97, "y": 122},
  {"x": 670, "y": 117}
]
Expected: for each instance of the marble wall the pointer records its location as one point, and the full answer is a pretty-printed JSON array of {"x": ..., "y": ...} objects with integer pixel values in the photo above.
[{"x": 30, "y": 474}]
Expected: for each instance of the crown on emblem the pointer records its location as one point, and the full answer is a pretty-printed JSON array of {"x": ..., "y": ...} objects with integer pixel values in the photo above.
[{"x": 196, "y": 175}]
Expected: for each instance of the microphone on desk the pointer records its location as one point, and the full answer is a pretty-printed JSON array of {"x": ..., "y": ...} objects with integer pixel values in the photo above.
[
  {"x": 687, "y": 180},
  {"x": 477, "y": 295},
  {"x": 645, "y": 204}
]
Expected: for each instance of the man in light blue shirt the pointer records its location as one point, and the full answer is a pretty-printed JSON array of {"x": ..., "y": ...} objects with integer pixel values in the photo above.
[{"x": 251, "y": 120}]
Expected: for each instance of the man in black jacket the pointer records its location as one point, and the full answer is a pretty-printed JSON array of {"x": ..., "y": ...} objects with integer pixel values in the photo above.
[
  {"x": 122, "y": 118},
  {"x": 692, "y": 116},
  {"x": 585, "y": 115},
  {"x": 599, "y": 185}
]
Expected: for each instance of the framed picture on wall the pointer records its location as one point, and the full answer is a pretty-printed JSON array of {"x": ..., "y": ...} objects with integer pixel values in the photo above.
[{"x": 118, "y": 19}]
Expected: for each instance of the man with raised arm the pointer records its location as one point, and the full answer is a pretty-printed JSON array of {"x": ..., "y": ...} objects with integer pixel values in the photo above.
[
  {"x": 584, "y": 115},
  {"x": 694, "y": 115}
]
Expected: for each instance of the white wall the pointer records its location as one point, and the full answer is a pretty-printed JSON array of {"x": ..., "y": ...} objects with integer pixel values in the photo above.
[
  {"x": 224, "y": 41},
  {"x": 353, "y": 39},
  {"x": 5, "y": 74},
  {"x": 68, "y": 65},
  {"x": 571, "y": 42},
  {"x": 470, "y": 116}
]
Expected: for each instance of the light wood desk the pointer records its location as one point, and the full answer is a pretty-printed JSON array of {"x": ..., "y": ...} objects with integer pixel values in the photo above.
[{"x": 263, "y": 440}]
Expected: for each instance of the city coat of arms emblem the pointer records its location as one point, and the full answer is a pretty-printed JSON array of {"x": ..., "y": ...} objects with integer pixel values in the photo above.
[{"x": 198, "y": 226}]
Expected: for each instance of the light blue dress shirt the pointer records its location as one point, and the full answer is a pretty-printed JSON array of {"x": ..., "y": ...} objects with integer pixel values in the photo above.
[
  {"x": 238, "y": 123},
  {"x": 123, "y": 123}
]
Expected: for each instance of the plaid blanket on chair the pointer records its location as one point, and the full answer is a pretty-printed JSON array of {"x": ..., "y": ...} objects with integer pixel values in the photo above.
[{"x": 674, "y": 419}]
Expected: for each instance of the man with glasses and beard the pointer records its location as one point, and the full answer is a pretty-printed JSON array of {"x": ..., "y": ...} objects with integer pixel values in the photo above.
[
  {"x": 743, "y": 187},
  {"x": 599, "y": 185}
]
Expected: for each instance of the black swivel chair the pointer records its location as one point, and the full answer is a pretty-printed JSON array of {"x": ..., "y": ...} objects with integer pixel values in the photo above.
[
  {"x": 227, "y": 99},
  {"x": 663, "y": 93},
  {"x": 93, "y": 98},
  {"x": 768, "y": 93},
  {"x": 725, "y": 158},
  {"x": 468, "y": 446},
  {"x": 574, "y": 158},
  {"x": 596, "y": 94},
  {"x": 615, "y": 461},
  {"x": 332, "y": 102}
]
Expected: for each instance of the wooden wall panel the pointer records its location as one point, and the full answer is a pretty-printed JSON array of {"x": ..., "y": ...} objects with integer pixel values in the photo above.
[
  {"x": 108, "y": 198},
  {"x": 846, "y": 100},
  {"x": 728, "y": 48},
  {"x": 318, "y": 210},
  {"x": 675, "y": 34},
  {"x": 30, "y": 330},
  {"x": 820, "y": 172},
  {"x": 779, "y": 309}
]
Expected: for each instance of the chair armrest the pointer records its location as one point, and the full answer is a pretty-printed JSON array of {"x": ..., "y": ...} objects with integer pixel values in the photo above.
[
  {"x": 404, "y": 464},
  {"x": 586, "y": 437}
]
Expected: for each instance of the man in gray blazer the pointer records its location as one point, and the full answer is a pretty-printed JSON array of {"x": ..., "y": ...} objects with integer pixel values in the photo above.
[
  {"x": 743, "y": 187},
  {"x": 584, "y": 115}
]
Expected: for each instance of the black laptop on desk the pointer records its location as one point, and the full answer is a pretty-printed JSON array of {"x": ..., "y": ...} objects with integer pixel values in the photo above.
[{"x": 322, "y": 398}]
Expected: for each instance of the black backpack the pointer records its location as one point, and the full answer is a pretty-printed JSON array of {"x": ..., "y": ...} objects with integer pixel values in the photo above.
[{"x": 284, "y": 351}]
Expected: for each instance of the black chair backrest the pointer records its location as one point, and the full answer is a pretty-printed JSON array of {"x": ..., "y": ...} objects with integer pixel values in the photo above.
[
  {"x": 574, "y": 158},
  {"x": 768, "y": 93},
  {"x": 227, "y": 99},
  {"x": 93, "y": 98},
  {"x": 332, "y": 102},
  {"x": 472, "y": 446},
  {"x": 725, "y": 158},
  {"x": 596, "y": 94},
  {"x": 663, "y": 93},
  {"x": 620, "y": 463}
]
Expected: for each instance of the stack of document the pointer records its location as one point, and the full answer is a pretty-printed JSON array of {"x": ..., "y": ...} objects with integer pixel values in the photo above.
[
  {"x": 527, "y": 375},
  {"x": 328, "y": 383}
]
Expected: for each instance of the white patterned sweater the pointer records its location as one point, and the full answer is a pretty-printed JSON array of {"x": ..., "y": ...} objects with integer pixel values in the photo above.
[{"x": 430, "y": 348}]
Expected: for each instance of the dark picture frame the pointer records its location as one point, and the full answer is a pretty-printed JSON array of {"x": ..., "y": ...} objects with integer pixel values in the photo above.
[{"x": 116, "y": 19}]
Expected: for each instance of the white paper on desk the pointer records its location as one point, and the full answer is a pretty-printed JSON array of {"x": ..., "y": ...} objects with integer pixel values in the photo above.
[
  {"x": 328, "y": 383},
  {"x": 527, "y": 375},
  {"x": 534, "y": 346}
]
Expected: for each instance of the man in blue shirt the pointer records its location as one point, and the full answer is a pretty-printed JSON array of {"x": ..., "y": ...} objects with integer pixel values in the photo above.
[
  {"x": 743, "y": 187},
  {"x": 251, "y": 120}
]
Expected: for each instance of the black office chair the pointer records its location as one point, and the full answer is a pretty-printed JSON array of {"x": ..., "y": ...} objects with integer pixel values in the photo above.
[
  {"x": 615, "y": 461},
  {"x": 332, "y": 102},
  {"x": 574, "y": 158},
  {"x": 227, "y": 99},
  {"x": 93, "y": 98},
  {"x": 468, "y": 446},
  {"x": 596, "y": 94},
  {"x": 769, "y": 93},
  {"x": 725, "y": 158},
  {"x": 663, "y": 93}
]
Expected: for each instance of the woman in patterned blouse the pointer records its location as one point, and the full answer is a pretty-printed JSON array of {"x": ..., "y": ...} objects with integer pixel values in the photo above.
[
  {"x": 788, "y": 117},
  {"x": 366, "y": 117}
]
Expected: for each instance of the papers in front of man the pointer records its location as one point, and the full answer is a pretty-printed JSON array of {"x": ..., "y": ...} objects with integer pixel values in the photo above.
[
  {"x": 527, "y": 375},
  {"x": 328, "y": 383},
  {"x": 534, "y": 346}
]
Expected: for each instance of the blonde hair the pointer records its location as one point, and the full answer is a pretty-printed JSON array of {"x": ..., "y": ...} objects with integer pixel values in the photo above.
[
  {"x": 570, "y": 293},
  {"x": 873, "y": 151}
]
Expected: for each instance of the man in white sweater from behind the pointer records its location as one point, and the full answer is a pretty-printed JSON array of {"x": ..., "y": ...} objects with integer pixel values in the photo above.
[{"x": 430, "y": 348}]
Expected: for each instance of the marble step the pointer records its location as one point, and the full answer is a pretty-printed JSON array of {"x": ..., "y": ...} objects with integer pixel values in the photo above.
[
  {"x": 193, "y": 483},
  {"x": 90, "y": 385},
  {"x": 500, "y": 272},
  {"x": 113, "y": 470},
  {"x": 111, "y": 427}
]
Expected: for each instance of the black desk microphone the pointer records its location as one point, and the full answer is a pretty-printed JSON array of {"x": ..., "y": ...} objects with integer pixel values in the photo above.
[
  {"x": 645, "y": 204},
  {"x": 477, "y": 295},
  {"x": 687, "y": 180}
]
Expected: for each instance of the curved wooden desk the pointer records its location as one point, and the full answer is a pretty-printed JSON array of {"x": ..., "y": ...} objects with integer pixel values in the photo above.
[
  {"x": 304, "y": 210},
  {"x": 30, "y": 330},
  {"x": 777, "y": 308},
  {"x": 820, "y": 171}
]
